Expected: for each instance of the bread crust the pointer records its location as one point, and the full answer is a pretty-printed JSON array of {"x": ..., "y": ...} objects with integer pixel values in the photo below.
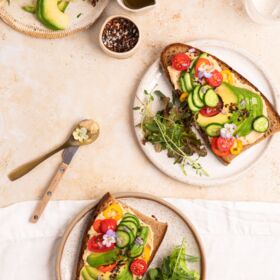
[
  {"x": 274, "y": 118},
  {"x": 159, "y": 229}
]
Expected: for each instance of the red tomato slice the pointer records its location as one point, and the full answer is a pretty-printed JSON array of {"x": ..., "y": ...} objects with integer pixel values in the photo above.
[
  {"x": 96, "y": 225},
  {"x": 138, "y": 267},
  {"x": 95, "y": 244},
  {"x": 224, "y": 144},
  {"x": 181, "y": 62},
  {"x": 216, "y": 150},
  {"x": 216, "y": 79},
  {"x": 199, "y": 63},
  {"x": 107, "y": 268},
  {"x": 211, "y": 111},
  {"x": 108, "y": 224}
]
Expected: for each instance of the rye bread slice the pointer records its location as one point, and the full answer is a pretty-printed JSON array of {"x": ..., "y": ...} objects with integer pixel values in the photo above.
[
  {"x": 273, "y": 116},
  {"x": 159, "y": 229}
]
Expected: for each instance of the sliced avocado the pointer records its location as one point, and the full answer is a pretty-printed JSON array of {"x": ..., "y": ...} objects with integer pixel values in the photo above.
[
  {"x": 105, "y": 258},
  {"x": 124, "y": 273},
  {"x": 94, "y": 273},
  {"x": 228, "y": 97},
  {"x": 86, "y": 275},
  {"x": 51, "y": 16},
  {"x": 252, "y": 103}
]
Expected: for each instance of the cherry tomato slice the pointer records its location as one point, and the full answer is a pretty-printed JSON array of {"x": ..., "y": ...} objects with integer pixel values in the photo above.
[
  {"x": 108, "y": 224},
  {"x": 107, "y": 268},
  {"x": 199, "y": 63},
  {"x": 216, "y": 150},
  {"x": 138, "y": 267},
  {"x": 95, "y": 244},
  {"x": 211, "y": 111},
  {"x": 224, "y": 144},
  {"x": 96, "y": 225},
  {"x": 216, "y": 79},
  {"x": 181, "y": 62}
]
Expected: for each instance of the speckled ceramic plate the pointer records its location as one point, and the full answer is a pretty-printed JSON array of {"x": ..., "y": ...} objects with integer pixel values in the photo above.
[
  {"x": 239, "y": 60},
  {"x": 82, "y": 14},
  {"x": 179, "y": 227}
]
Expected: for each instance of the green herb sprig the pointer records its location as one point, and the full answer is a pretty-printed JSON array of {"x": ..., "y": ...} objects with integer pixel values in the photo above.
[
  {"x": 171, "y": 129},
  {"x": 174, "y": 267}
]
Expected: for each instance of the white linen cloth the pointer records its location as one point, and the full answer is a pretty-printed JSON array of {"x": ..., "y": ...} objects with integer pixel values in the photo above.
[{"x": 242, "y": 240}]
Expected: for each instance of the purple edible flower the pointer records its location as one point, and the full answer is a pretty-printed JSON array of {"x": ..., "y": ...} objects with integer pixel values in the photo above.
[
  {"x": 139, "y": 241},
  {"x": 109, "y": 238}
]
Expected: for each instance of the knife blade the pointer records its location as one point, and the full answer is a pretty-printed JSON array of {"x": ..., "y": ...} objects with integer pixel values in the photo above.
[{"x": 67, "y": 156}]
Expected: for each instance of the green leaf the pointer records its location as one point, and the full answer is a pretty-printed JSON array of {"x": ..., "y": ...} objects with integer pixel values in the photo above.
[{"x": 159, "y": 93}]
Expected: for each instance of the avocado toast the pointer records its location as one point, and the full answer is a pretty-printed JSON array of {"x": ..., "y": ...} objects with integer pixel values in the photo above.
[
  {"x": 118, "y": 243},
  {"x": 230, "y": 113}
]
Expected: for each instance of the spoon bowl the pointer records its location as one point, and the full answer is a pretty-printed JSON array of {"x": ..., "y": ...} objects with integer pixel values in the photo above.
[{"x": 93, "y": 131}]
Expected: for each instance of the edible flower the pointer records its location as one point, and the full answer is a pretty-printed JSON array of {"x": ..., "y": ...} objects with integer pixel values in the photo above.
[
  {"x": 80, "y": 134},
  {"x": 139, "y": 241},
  {"x": 228, "y": 130},
  {"x": 205, "y": 71},
  {"x": 109, "y": 238}
]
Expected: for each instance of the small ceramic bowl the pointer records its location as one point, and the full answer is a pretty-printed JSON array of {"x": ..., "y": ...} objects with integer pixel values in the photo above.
[
  {"x": 118, "y": 53},
  {"x": 141, "y": 10}
]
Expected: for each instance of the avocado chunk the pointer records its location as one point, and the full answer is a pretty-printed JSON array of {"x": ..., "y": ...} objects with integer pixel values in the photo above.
[
  {"x": 121, "y": 272},
  {"x": 105, "y": 258},
  {"x": 250, "y": 106},
  {"x": 94, "y": 273},
  {"x": 228, "y": 97},
  {"x": 51, "y": 16},
  {"x": 86, "y": 275},
  {"x": 124, "y": 273}
]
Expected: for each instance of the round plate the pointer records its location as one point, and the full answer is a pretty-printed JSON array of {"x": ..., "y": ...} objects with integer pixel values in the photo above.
[
  {"x": 218, "y": 173},
  {"x": 149, "y": 205},
  {"x": 27, "y": 23}
]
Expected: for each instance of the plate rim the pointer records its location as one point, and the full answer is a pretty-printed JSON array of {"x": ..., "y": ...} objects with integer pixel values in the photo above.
[
  {"x": 45, "y": 34},
  {"x": 274, "y": 89},
  {"x": 138, "y": 195}
]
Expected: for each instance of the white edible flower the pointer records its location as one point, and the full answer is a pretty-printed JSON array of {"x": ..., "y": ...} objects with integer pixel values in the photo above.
[
  {"x": 228, "y": 130},
  {"x": 80, "y": 134},
  {"x": 109, "y": 238}
]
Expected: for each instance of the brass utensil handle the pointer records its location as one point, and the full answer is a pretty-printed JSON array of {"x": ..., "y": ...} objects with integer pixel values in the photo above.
[
  {"x": 25, "y": 168},
  {"x": 48, "y": 193}
]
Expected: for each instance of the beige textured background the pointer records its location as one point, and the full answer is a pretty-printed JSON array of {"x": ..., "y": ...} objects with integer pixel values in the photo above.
[{"x": 46, "y": 86}]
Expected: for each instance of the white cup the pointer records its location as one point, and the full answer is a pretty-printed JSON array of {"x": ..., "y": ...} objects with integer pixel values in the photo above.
[{"x": 263, "y": 11}]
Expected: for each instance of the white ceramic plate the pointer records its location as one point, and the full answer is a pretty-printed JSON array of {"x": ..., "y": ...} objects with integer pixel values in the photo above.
[
  {"x": 27, "y": 23},
  {"x": 179, "y": 227},
  {"x": 218, "y": 173}
]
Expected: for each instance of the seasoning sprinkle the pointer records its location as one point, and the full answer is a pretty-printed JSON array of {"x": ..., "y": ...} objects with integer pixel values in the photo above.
[{"x": 120, "y": 35}]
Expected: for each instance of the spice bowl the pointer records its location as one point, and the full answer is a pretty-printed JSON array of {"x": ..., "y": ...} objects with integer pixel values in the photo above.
[{"x": 119, "y": 36}]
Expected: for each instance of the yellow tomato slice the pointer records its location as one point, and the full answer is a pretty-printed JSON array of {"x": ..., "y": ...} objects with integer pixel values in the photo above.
[
  {"x": 114, "y": 211},
  {"x": 237, "y": 147},
  {"x": 147, "y": 253},
  {"x": 183, "y": 96},
  {"x": 227, "y": 76}
]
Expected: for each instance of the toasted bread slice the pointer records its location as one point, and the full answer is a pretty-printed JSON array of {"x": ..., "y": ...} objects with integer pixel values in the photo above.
[
  {"x": 273, "y": 116},
  {"x": 158, "y": 229}
]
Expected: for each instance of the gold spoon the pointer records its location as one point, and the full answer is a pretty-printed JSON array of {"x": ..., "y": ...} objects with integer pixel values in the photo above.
[{"x": 92, "y": 132}]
